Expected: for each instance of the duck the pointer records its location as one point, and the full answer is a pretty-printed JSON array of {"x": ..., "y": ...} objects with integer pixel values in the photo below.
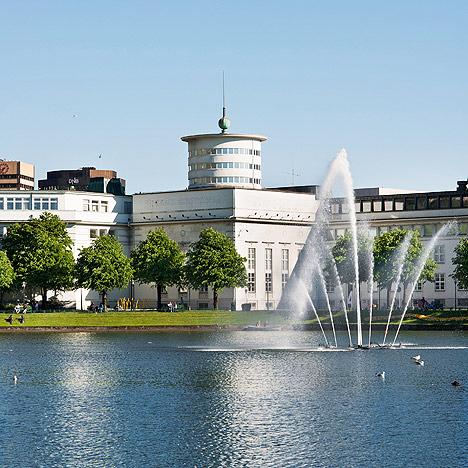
[
  {"x": 416, "y": 358},
  {"x": 15, "y": 379},
  {"x": 456, "y": 383},
  {"x": 420, "y": 362},
  {"x": 380, "y": 374}
]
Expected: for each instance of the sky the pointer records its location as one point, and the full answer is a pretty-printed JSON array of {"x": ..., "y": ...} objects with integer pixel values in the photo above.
[{"x": 388, "y": 81}]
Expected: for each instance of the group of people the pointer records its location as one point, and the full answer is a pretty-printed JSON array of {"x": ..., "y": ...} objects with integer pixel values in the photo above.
[
  {"x": 96, "y": 308},
  {"x": 172, "y": 306}
]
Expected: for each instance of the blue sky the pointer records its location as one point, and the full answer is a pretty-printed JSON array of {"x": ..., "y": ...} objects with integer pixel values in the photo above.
[{"x": 386, "y": 80}]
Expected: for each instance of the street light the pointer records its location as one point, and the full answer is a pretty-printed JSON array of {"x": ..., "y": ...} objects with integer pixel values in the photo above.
[{"x": 132, "y": 293}]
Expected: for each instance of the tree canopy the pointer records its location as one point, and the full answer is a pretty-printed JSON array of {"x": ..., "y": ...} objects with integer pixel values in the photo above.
[
  {"x": 460, "y": 262},
  {"x": 40, "y": 251},
  {"x": 213, "y": 262},
  {"x": 342, "y": 252},
  {"x": 158, "y": 259},
  {"x": 103, "y": 266},
  {"x": 7, "y": 274},
  {"x": 386, "y": 258}
]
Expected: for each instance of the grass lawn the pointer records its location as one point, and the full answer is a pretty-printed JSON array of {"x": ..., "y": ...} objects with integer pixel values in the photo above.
[{"x": 143, "y": 319}]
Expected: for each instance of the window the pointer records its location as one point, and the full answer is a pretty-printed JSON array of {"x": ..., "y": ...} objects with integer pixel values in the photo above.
[
  {"x": 1, "y": 204},
  {"x": 357, "y": 207},
  {"x": 439, "y": 253},
  {"x": 410, "y": 204},
  {"x": 45, "y": 203},
  {"x": 251, "y": 282},
  {"x": 428, "y": 230},
  {"x": 377, "y": 205},
  {"x": 251, "y": 259},
  {"x": 268, "y": 259},
  {"x": 285, "y": 260},
  {"x": 439, "y": 282},
  {"x": 10, "y": 204},
  {"x": 366, "y": 206},
  {"x": 421, "y": 203},
  {"x": 433, "y": 203},
  {"x": 284, "y": 279},
  {"x": 444, "y": 202},
  {"x": 398, "y": 204},
  {"x": 203, "y": 289},
  {"x": 85, "y": 205},
  {"x": 102, "y": 232},
  {"x": 418, "y": 286},
  {"x": 268, "y": 282},
  {"x": 94, "y": 205},
  {"x": 93, "y": 233},
  {"x": 456, "y": 202},
  {"x": 388, "y": 205},
  {"x": 104, "y": 206}
]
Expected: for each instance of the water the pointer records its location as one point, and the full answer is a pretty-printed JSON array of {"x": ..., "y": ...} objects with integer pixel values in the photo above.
[{"x": 265, "y": 399}]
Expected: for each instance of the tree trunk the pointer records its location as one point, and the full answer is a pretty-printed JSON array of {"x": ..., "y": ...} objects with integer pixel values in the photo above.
[
  {"x": 104, "y": 300},
  {"x": 159, "y": 293},
  {"x": 215, "y": 299},
  {"x": 44, "y": 298}
]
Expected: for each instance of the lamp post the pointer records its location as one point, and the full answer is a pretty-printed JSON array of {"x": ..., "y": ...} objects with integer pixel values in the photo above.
[{"x": 132, "y": 293}]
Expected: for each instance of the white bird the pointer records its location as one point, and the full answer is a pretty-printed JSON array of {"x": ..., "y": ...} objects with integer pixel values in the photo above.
[
  {"x": 420, "y": 362},
  {"x": 381, "y": 375},
  {"x": 416, "y": 358},
  {"x": 15, "y": 379}
]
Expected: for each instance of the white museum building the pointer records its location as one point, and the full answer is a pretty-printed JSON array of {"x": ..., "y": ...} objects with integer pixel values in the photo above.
[{"x": 269, "y": 226}]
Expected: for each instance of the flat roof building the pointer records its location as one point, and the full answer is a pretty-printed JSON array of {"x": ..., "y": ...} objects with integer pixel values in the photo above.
[
  {"x": 88, "y": 179},
  {"x": 16, "y": 175}
]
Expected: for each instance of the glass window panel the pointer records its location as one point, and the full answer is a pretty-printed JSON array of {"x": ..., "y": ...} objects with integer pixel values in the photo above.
[
  {"x": 433, "y": 203},
  {"x": 54, "y": 203},
  {"x": 377, "y": 205},
  {"x": 410, "y": 204},
  {"x": 444, "y": 202},
  {"x": 456, "y": 202},
  {"x": 398, "y": 204},
  {"x": 366, "y": 206},
  {"x": 465, "y": 202},
  {"x": 421, "y": 203},
  {"x": 388, "y": 205}
]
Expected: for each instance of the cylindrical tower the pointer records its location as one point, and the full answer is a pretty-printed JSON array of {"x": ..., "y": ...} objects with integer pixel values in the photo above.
[{"x": 224, "y": 159}]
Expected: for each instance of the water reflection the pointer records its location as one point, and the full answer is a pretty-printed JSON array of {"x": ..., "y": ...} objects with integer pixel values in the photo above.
[{"x": 155, "y": 400}]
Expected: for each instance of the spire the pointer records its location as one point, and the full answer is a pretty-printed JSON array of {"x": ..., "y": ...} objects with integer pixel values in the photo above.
[{"x": 224, "y": 123}]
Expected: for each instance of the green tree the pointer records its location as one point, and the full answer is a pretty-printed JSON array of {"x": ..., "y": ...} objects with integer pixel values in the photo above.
[
  {"x": 460, "y": 261},
  {"x": 7, "y": 275},
  {"x": 159, "y": 260},
  {"x": 40, "y": 251},
  {"x": 214, "y": 262},
  {"x": 342, "y": 252},
  {"x": 386, "y": 259},
  {"x": 103, "y": 266}
]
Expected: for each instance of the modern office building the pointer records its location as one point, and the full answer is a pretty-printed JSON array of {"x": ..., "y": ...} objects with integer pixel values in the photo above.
[
  {"x": 16, "y": 175},
  {"x": 87, "y": 179},
  {"x": 385, "y": 209}
]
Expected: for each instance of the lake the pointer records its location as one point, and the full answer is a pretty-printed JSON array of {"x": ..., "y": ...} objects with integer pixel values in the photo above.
[{"x": 266, "y": 399}]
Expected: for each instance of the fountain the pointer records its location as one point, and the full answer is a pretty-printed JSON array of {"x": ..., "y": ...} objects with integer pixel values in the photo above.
[{"x": 308, "y": 280}]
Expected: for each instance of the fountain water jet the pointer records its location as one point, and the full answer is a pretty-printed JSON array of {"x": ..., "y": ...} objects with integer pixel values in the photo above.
[
  {"x": 327, "y": 299},
  {"x": 419, "y": 269},
  {"x": 401, "y": 256},
  {"x": 314, "y": 310}
]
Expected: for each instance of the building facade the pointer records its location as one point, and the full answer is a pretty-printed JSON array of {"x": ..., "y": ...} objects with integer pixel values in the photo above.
[
  {"x": 84, "y": 179},
  {"x": 16, "y": 175},
  {"x": 87, "y": 216}
]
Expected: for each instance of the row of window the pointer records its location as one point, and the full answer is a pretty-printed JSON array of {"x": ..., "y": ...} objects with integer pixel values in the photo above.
[
  {"x": 95, "y": 205},
  {"x": 16, "y": 177},
  {"x": 411, "y": 203},
  {"x": 209, "y": 151},
  {"x": 252, "y": 263},
  {"x": 224, "y": 180},
  {"x": 426, "y": 230},
  {"x": 24, "y": 203},
  {"x": 223, "y": 165}
]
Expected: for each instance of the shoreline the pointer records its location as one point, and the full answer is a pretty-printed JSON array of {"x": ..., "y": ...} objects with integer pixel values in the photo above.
[{"x": 192, "y": 328}]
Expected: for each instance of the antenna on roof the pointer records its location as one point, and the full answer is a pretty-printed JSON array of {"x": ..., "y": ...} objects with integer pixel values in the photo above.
[{"x": 224, "y": 122}]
